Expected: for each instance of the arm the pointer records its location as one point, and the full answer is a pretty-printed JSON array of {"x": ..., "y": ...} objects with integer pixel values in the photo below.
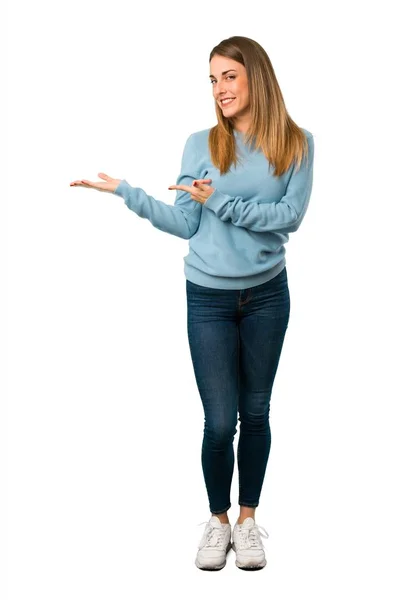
[
  {"x": 183, "y": 218},
  {"x": 284, "y": 216}
]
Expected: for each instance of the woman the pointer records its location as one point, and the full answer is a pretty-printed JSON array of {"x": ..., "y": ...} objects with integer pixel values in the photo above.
[{"x": 260, "y": 164}]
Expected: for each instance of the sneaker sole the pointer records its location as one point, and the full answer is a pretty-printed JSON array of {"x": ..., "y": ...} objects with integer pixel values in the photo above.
[
  {"x": 258, "y": 567},
  {"x": 251, "y": 568},
  {"x": 217, "y": 567}
]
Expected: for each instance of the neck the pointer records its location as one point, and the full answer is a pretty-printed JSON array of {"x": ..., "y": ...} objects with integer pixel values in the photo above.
[{"x": 241, "y": 126}]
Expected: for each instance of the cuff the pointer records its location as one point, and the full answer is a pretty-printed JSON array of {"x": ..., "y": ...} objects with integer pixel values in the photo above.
[
  {"x": 122, "y": 187},
  {"x": 217, "y": 200}
]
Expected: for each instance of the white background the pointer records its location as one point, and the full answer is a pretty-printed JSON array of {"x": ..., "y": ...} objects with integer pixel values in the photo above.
[{"x": 105, "y": 423}]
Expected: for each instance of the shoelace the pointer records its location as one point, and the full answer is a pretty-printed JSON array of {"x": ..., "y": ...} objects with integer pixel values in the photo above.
[
  {"x": 250, "y": 537},
  {"x": 213, "y": 536}
]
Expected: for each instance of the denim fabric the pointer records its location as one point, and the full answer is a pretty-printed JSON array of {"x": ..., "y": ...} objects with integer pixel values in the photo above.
[{"x": 235, "y": 340}]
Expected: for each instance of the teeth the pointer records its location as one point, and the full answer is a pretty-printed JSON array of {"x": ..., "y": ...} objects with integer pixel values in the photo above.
[{"x": 227, "y": 101}]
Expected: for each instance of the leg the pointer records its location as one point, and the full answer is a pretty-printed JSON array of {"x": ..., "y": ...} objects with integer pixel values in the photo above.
[
  {"x": 262, "y": 331},
  {"x": 213, "y": 341},
  {"x": 223, "y": 517},
  {"x": 246, "y": 511}
]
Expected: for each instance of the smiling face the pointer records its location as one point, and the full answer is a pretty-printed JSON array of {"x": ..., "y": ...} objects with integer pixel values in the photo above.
[{"x": 229, "y": 80}]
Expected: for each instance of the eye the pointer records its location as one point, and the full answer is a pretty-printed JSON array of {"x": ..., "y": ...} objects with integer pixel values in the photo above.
[{"x": 228, "y": 76}]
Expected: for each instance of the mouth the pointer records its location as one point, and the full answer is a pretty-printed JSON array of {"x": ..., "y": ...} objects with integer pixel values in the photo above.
[{"x": 227, "y": 101}]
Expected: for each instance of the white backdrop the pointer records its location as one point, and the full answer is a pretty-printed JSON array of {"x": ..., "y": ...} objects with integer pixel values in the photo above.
[{"x": 102, "y": 459}]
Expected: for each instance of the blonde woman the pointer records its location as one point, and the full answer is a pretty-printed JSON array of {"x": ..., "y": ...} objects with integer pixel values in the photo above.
[{"x": 244, "y": 186}]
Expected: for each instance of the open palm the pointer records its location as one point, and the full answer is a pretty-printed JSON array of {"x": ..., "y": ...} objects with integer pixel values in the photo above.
[{"x": 108, "y": 185}]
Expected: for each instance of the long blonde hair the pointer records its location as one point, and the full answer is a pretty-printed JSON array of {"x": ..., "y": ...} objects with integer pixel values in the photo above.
[{"x": 271, "y": 129}]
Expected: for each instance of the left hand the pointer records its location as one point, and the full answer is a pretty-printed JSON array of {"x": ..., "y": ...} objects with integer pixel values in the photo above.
[{"x": 199, "y": 191}]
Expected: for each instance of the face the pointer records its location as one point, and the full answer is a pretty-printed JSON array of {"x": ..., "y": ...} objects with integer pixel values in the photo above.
[{"x": 230, "y": 84}]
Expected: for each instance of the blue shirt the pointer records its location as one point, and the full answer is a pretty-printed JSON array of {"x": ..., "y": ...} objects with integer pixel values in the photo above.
[{"x": 237, "y": 237}]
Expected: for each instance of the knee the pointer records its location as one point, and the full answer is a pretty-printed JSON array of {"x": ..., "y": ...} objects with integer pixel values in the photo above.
[
  {"x": 221, "y": 434},
  {"x": 255, "y": 422}
]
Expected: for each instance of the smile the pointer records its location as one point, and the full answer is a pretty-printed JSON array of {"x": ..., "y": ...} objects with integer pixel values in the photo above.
[{"x": 227, "y": 101}]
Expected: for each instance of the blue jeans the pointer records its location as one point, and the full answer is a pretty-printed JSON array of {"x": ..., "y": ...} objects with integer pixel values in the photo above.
[{"x": 235, "y": 340}]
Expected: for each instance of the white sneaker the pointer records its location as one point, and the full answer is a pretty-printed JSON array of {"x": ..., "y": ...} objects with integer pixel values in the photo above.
[
  {"x": 248, "y": 545},
  {"x": 214, "y": 545}
]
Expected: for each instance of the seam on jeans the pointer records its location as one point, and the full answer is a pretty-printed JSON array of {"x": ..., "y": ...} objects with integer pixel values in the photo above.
[
  {"x": 246, "y": 301},
  {"x": 238, "y": 393}
]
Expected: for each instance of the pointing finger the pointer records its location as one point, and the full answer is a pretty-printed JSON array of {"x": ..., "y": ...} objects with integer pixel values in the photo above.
[{"x": 186, "y": 188}]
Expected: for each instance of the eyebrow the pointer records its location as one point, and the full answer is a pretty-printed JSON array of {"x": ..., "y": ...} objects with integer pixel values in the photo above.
[{"x": 224, "y": 72}]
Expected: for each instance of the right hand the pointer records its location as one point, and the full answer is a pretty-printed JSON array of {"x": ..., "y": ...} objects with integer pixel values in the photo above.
[{"x": 108, "y": 185}]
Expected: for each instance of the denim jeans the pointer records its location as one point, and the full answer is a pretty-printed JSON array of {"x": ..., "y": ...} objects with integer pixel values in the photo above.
[{"x": 235, "y": 340}]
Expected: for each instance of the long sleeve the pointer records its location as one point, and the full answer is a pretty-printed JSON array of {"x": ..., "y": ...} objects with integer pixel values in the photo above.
[
  {"x": 284, "y": 216},
  {"x": 182, "y": 219}
]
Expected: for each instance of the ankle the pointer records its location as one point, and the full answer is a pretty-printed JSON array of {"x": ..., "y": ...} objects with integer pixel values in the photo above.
[
  {"x": 223, "y": 517},
  {"x": 246, "y": 511}
]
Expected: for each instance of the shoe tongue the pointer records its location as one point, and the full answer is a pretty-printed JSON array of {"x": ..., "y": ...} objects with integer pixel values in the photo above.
[{"x": 248, "y": 522}]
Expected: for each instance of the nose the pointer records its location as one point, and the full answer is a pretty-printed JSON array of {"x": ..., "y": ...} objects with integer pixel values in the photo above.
[{"x": 219, "y": 90}]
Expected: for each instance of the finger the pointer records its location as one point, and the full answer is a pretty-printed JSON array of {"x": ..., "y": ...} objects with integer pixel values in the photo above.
[
  {"x": 201, "y": 186},
  {"x": 104, "y": 176},
  {"x": 81, "y": 182},
  {"x": 186, "y": 188},
  {"x": 197, "y": 182},
  {"x": 96, "y": 185}
]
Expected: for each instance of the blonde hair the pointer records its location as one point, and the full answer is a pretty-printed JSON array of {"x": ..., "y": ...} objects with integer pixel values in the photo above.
[{"x": 271, "y": 129}]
